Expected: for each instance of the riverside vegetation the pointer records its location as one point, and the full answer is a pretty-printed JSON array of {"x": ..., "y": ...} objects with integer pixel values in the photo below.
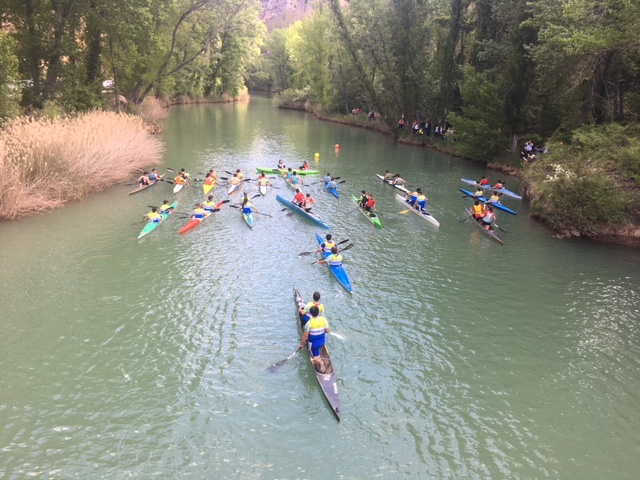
[{"x": 559, "y": 73}]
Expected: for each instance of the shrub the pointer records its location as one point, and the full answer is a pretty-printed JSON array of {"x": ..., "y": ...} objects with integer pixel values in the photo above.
[{"x": 45, "y": 163}]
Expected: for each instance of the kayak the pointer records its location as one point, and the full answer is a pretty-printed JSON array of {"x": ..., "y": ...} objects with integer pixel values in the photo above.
[
  {"x": 373, "y": 217},
  {"x": 499, "y": 206},
  {"x": 177, "y": 188},
  {"x": 248, "y": 217},
  {"x": 263, "y": 190},
  {"x": 424, "y": 215},
  {"x": 208, "y": 188},
  {"x": 334, "y": 192},
  {"x": 388, "y": 182},
  {"x": 311, "y": 216},
  {"x": 294, "y": 187},
  {"x": 151, "y": 226},
  {"x": 285, "y": 170},
  {"x": 327, "y": 379},
  {"x": 193, "y": 223},
  {"x": 491, "y": 232},
  {"x": 503, "y": 191},
  {"x": 339, "y": 272},
  {"x": 233, "y": 189},
  {"x": 144, "y": 187}
]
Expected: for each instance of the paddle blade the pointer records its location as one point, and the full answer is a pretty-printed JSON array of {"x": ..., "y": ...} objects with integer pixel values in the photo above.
[
  {"x": 405, "y": 211},
  {"x": 277, "y": 365}
]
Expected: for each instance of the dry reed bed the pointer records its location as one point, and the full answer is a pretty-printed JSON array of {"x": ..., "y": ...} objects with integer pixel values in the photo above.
[{"x": 44, "y": 164}]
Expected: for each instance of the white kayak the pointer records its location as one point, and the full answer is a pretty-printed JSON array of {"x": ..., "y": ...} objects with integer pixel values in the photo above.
[
  {"x": 177, "y": 188},
  {"x": 424, "y": 215},
  {"x": 399, "y": 187}
]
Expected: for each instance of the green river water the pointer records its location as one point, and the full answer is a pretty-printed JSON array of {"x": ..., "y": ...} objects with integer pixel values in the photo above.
[{"x": 460, "y": 358}]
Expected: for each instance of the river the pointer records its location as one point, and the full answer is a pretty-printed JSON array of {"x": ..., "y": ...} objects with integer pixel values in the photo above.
[{"x": 459, "y": 358}]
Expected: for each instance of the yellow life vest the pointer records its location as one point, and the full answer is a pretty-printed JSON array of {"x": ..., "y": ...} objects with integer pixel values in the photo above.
[{"x": 317, "y": 325}]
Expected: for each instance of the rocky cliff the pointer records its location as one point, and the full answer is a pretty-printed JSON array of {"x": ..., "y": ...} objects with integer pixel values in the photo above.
[{"x": 282, "y": 13}]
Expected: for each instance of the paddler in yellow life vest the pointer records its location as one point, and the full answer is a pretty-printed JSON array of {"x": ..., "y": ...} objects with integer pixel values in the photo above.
[
  {"x": 246, "y": 205},
  {"x": 185, "y": 174},
  {"x": 153, "y": 216},
  {"x": 478, "y": 193},
  {"x": 166, "y": 207},
  {"x": 239, "y": 174},
  {"x": 210, "y": 205},
  {"x": 198, "y": 212},
  {"x": 478, "y": 210},
  {"x": 413, "y": 197},
  {"x": 421, "y": 201},
  {"x": 495, "y": 198},
  {"x": 314, "y": 333},
  {"x": 304, "y": 311},
  {"x": 327, "y": 245},
  {"x": 235, "y": 180},
  {"x": 335, "y": 259}
]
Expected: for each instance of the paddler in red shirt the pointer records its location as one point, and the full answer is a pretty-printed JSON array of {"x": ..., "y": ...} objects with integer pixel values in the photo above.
[{"x": 299, "y": 198}]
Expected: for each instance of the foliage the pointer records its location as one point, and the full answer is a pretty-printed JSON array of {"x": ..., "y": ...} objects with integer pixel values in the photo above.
[{"x": 9, "y": 84}]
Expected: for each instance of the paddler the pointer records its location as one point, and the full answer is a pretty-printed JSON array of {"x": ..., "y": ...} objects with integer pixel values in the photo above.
[
  {"x": 295, "y": 180},
  {"x": 398, "y": 180},
  {"x": 478, "y": 193},
  {"x": 288, "y": 174},
  {"x": 185, "y": 173},
  {"x": 421, "y": 201},
  {"x": 263, "y": 181},
  {"x": 246, "y": 204},
  {"x": 499, "y": 185},
  {"x": 327, "y": 178},
  {"x": 484, "y": 181},
  {"x": 332, "y": 183},
  {"x": 181, "y": 179},
  {"x": 153, "y": 176},
  {"x": 304, "y": 311},
  {"x": 198, "y": 212},
  {"x": 281, "y": 165},
  {"x": 239, "y": 174},
  {"x": 370, "y": 206},
  {"x": 495, "y": 198},
  {"x": 305, "y": 166},
  {"x": 413, "y": 197},
  {"x": 166, "y": 207},
  {"x": 362, "y": 201},
  {"x": 478, "y": 210},
  {"x": 153, "y": 216},
  {"x": 314, "y": 333},
  {"x": 327, "y": 245},
  {"x": 210, "y": 205},
  {"x": 211, "y": 179},
  {"x": 235, "y": 180},
  {"x": 388, "y": 176},
  {"x": 335, "y": 259},
  {"x": 144, "y": 180},
  {"x": 299, "y": 198},
  {"x": 489, "y": 218},
  {"x": 308, "y": 204}
]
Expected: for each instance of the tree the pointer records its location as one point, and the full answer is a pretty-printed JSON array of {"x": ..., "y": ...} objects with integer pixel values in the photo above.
[{"x": 9, "y": 83}]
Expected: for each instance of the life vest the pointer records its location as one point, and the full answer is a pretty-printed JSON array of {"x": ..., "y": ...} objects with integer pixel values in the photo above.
[
  {"x": 494, "y": 198},
  {"x": 317, "y": 304},
  {"x": 179, "y": 180},
  {"x": 316, "y": 328},
  {"x": 478, "y": 193},
  {"x": 165, "y": 209},
  {"x": 198, "y": 213},
  {"x": 422, "y": 199},
  {"x": 299, "y": 197},
  {"x": 154, "y": 217},
  {"x": 209, "y": 206},
  {"x": 477, "y": 210},
  {"x": 263, "y": 181},
  {"x": 327, "y": 245},
  {"x": 498, "y": 185},
  {"x": 335, "y": 260},
  {"x": 210, "y": 180},
  {"x": 309, "y": 202}
]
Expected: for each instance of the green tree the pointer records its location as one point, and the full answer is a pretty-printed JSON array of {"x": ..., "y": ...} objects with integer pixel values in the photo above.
[{"x": 9, "y": 80}]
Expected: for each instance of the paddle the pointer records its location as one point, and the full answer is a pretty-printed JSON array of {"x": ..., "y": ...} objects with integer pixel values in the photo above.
[
  {"x": 337, "y": 335},
  {"x": 265, "y": 214},
  {"x": 277, "y": 365},
  {"x": 501, "y": 229},
  {"x": 335, "y": 178},
  {"x": 343, "y": 250},
  {"x": 309, "y": 253}
]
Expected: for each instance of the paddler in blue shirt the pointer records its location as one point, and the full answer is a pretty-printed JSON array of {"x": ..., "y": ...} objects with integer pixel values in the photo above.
[
  {"x": 287, "y": 176},
  {"x": 413, "y": 197},
  {"x": 198, "y": 212},
  {"x": 153, "y": 176},
  {"x": 327, "y": 245},
  {"x": 332, "y": 184},
  {"x": 295, "y": 180},
  {"x": 327, "y": 179},
  {"x": 246, "y": 205},
  {"x": 314, "y": 333}
]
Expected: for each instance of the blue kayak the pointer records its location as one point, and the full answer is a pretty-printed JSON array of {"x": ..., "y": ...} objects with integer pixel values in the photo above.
[
  {"x": 334, "y": 192},
  {"x": 311, "y": 216},
  {"x": 485, "y": 200},
  {"x": 503, "y": 190},
  {"x": 339, "y": 272}
]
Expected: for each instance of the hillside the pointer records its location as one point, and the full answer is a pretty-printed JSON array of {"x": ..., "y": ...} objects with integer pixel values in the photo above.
[{"x": 282, "y": 13}]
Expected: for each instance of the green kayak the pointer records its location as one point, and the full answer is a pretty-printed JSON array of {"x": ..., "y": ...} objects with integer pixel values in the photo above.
[
  {"x": 284, "y": 170},
  {"x": 150, "y": 226},
  {"x": 371, "y": 216}
]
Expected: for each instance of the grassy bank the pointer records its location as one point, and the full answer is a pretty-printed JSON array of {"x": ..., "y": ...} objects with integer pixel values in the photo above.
[{"x": 46, "y": 163}]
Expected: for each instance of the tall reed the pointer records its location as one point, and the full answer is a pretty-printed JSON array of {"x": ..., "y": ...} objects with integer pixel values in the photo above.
[{"x": 45, "y": 163}]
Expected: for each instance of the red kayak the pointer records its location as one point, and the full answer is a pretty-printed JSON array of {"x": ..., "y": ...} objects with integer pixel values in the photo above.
[{"x": 193, "y": 223}]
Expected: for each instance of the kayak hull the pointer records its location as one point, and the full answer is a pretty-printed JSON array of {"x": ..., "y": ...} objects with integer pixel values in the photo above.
[
  {"x": 503, "y": 191},
  {"x": 248, "y": 218},
  {"x": 177, "y": 188},
  {"x": 207, "y": 188},
  {"x": 499, "y": 206},
  {"x": 491, "y": 233},
  {"x": 314, "y": 218},
  {"x": 424, "y": 215},
  {"x": 233, "y": 189},
  {"x": 193, "y": 223},
  {"x": 373, "y": 219},
  {"x": 326, "y": 380},
  {"x": 388, "y": 182},
  {"x": 339, "y": 272},
  {"x": 334, "y": 192},
  {"x": 263, "y": 190},
  {"x": 144, "y": 187},
  {"x": 150, "y": 226}
]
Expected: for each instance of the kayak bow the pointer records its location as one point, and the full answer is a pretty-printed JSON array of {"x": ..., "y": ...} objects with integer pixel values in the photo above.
[{"x": 339, "y": 272}]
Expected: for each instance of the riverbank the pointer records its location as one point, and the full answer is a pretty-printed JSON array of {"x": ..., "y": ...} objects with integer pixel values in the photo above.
[
  {"x": 47, "y": 163},
  {"x": 605, "y": 207}
]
